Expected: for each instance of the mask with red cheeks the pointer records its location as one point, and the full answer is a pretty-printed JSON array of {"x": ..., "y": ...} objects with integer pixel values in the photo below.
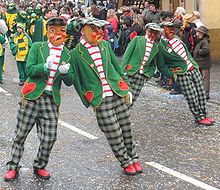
[
  {"x": 92, "y": 34},
  {"x": 153, "y": 35},
  {"x": 56, "y": 35},
  {"x": 169, "y": 32}
]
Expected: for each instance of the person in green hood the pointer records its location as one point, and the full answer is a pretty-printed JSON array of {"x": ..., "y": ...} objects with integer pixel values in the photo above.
[
  {"x": 21, "y": 18},
  {"x": 39, "y": 29},
  {"x": 11, "y": 15}
]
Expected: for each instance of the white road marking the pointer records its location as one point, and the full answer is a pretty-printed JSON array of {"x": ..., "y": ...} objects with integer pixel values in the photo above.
[
  {"x": 181, "y": 176},
  {"x": 5, "y": 92},
  {"x": 77, "y": 130}
]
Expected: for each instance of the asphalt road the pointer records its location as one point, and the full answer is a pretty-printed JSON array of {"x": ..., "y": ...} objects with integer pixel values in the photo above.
[{"x": 176, "y": 153}]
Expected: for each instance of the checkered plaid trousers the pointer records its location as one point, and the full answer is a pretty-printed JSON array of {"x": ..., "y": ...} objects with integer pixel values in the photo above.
[
  {"x": 137, "y": 82},
  {"x": 44, "y": 112},
  {"x": 113, "y": 116},
  {"x": 192, "y": 87}
]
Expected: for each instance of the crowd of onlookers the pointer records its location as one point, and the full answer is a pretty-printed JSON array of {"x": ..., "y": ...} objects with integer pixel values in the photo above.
[{"x": 124, "y": 23}]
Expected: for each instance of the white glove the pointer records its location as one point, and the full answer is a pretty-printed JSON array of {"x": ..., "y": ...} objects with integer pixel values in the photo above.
[
  {"x": 64, "y": 68},
  {"x": 130, "y": 97},
  {"x": 50, "y": 60}
]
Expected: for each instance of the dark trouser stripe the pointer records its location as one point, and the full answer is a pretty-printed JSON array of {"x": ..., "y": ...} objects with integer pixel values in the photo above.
[
  {"x": 45, "y": 112},
  {"x": 113, "y": 118},
  {"x": 192, "y": 88},
  {"x": 137, "y": 82}
]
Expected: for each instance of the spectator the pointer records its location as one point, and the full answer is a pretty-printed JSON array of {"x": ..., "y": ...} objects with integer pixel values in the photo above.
[
  {"x": 146, "y": 10},
  {"x": 94, "y": 11},
  {"x": 138, "y": 25},
  {"x": 113, "y": 20},
  {"x": 202, "y": 56},
  {"x": 189, "y": 33},
  {"x": 112, "y": 29},
  {"x": 196, "y": 19},
  {"x": 154, "y": 14},
  {"x": 126, "y": 30},
  {"x": 179, "y": 13},
  {"x": 102, "y": 12}
]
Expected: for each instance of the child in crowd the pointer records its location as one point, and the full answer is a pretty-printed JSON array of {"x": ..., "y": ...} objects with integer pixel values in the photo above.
[{"x": 20, "y": 44}]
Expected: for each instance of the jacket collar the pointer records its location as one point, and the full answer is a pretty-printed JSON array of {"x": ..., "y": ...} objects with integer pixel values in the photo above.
[
  {"x": 142, "y": 45},
  {"x": 88, "y": 60},
  {"x": 45, "y": 50}
]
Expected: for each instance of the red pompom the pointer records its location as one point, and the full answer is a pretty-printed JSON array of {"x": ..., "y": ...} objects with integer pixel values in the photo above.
[{"x": 132, "y": 35}]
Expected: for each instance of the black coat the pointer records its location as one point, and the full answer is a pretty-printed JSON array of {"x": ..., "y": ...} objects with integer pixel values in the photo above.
[{"x": 201, "y": 53}]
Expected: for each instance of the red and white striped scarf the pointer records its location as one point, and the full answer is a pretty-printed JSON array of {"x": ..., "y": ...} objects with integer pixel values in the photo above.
[
  {"x": 95, "y": 54},
  {"x": 57, "y": 52},
  {"x": 178, "y": 47},
  {"x": 149, "y": 45}
]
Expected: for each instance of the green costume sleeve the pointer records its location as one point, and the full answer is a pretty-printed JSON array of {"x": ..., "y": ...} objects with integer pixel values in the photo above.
[
  {"x": 2, "y": 39},
  {"x": 162, "y": 67},
  {"x": 116, "y": 65},
  {"x": 70, "y": 76},
  {"x": 13, "y": 47},
  {"x": 76, "y": 79},
  {"x": 127, "y": 55},
  {"x": 34, "y": 68}
]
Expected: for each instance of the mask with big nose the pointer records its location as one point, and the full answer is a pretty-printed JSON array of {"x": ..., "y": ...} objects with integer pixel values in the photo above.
[
  {"x": 153, "y": 34},
  {"x": 56, "y": 35},
  {"x": 92, "y": 34}
]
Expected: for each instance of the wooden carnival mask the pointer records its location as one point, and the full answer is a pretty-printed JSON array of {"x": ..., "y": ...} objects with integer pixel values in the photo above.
[
  {"x": 153, "y": 34},
  {"x": 169, "y": 32},
  {"x": 92, "y": 34},
  {"x": 56, "y": 34}
]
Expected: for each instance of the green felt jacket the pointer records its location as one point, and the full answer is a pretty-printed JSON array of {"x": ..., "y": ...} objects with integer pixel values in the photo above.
[
  {"x": 87, "y": 81},
  {"x": 134, "y": 55},
  {"x": 38, "y": 76},
  {"x": 2, "y": 41},
  {"x": 169, "y": 62}
]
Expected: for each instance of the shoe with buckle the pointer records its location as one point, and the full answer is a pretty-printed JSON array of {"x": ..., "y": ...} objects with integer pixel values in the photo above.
[
  {"x": 210, "y": 119},
  {"x": 205, "y": 122},
  {"x": 130, "y": 170},
  {"x": 138, "y": 167},
  {"x": 11, "y": 175},
  {"x": 42, "y": 173}
]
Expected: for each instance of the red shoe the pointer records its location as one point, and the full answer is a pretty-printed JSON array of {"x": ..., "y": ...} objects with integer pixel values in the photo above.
[
  {"x": 138, "y": 167},
  {"x": 130, "y": 170},
  {"x": 11, "y": 175},
  {"x": 42, "y": 173},
  {"x": 205, "y": 122},
  {"x": 210, "y": 119}
]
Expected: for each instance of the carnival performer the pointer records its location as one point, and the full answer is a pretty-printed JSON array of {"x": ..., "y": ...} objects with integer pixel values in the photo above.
[
  {"x": 139, "y": 62},
  {"x": 11, "y": 15},
  {"x": 20, "y": 44},
  {"x": 175, "y": 61},
  {"x": 47, "y": 66},
  {"x": 3, "y": 30},
  {"x": 101, "y": 84}
]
